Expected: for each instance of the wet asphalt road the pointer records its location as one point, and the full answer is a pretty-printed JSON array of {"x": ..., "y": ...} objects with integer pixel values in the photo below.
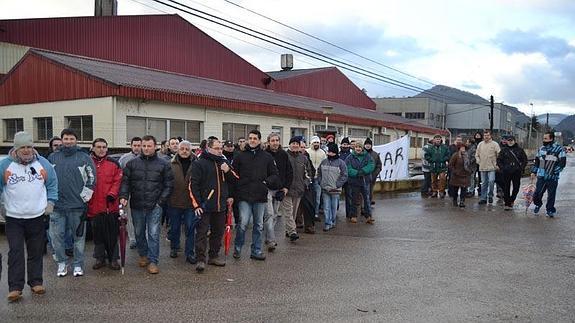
[{"x": 423, "y": 261}]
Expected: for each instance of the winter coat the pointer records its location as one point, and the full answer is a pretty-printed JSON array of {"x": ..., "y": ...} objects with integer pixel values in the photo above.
[
  {"x": 459, "y": 168},
  {"x": 257, "y": 173},
  {"x": 148, "y": 181},
  {"x": 424, "y": 162},
  {"x": 511, "y": 159},
  {"x": 209, "y": 186},
  {"x": 109, "y": 179},
  {"x": 302, "y": 173},
  {"x": 343, "y": 154},
  {"x": 359, "y": 168},
  {"x": 316, "y": 156},
  {"x": 437, "y": 157},
  {"x": 27, "y": 189},
  {"x": 486, "y": 155},
  {"x": 549, "y": 161},
  {"x": 76, "y": 177},
  {"x": 284, "y": 167},
  {"x": 180, "y": 197},
  {"x": 471, "y": 150},
  {"x": 332, "y": 174},
  {"x": 126, "y": 158},
  {"x": 378, "y": 165}
]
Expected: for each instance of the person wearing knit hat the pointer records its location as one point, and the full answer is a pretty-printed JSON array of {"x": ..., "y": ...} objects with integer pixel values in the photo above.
[
  {"x": 345, "y": 151},
  {"x": 332, "y": 175},
  {"x": 297, "y": 139},
  {"x": 29, "y": 189},
  {"x": 360, "y": 166},
  {"x": 368, "y": 145},
  {"x": 317, "y": 155},
  {"x": 330, "y": 139}
]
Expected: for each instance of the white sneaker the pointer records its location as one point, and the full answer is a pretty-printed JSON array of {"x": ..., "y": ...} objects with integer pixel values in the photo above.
[
  {"x": 78, "y": 272},
  {"x": 62, "y": 269}
]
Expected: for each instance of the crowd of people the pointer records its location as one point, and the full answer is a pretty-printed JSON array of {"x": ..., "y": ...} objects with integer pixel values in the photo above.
[
  {"x": 193, "y": 190},
  {"x": 190, "y": 190},
  {"x": 481, "y": 163}
]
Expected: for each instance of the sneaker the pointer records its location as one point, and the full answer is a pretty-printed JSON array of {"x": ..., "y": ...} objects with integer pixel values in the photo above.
[
  {"x": 78, "y": 272},
  {"x": 260, "y": 256},
  {"x": 153, "y": 268},
  {"x": 536, "y": 209},
  {"x": 271, "y": 246},
  {"x": 309, "y": 230},
  {"x": 237, "y": 254},
  {"x": 192, "y": 260},
  {"x": 551, "y": 214},
  {"x": 14, "y": 296},
  {"x": 133, "y": 245},
  {"x": 174, "y": 253},
  {"x": 353, "y": 220},
  {"x": 143, "y": 261},
  {"x": 461, "y": 204},
  {"x": 482, "y": 202},
  {"x": 99, "y": 264},
  {"x": 507, "y": 208},
  {"x": 372, "y": 202},
  {"x": 293, "y": 237},
  {"x": 454, "y": 202},
  {"x": 216, "y": 261},
  {"x": 38, "y": 290},
  {"x": 200, "y": 267},
  {"x": 62, "y": 269},
  {"x": 434, "y": 194},
  {"x": 490, "y": 200},
  {"x": 369, "y": 220},
  {"x": 326, "y": 228},
  {"x": 114, "y": 265},
  {"x": 442, "y": 195}
]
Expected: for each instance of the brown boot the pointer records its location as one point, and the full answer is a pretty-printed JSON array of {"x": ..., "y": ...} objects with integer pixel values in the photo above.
[
  {"x": 14, "y": 296},
  {"x": 370, "y": 220},
  {"x": 353, "y": 220},
  {"x": 38, "y": 290},
  {"x": 309, "y": 229},
  {"x": 143, "y": 261},
  {"x": 153, "y": 268}
]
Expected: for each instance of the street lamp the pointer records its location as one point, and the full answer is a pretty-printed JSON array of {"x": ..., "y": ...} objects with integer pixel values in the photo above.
[{"x": 327, "y": 111}]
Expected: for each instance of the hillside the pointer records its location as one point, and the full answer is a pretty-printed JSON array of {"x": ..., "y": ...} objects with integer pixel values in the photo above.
[
  {"x": 554, "y": 118},
  {"x": 567, "y": 127}
]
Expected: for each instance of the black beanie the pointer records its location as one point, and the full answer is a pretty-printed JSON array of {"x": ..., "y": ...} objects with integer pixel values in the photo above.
[
  {"x": 332, "y": 148},
  {"x": 295, "y": 139},
  {"x": 367, "y": 142},
  {"x": 345, "y": 141}
]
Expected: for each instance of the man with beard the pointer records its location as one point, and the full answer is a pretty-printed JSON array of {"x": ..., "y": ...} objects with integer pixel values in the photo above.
[
  {"x": 511, "y": 161},
  {"x": 368, "y": 145},
  {"x": 316, "y": 155},
  {"x": 343, "y": 154}
]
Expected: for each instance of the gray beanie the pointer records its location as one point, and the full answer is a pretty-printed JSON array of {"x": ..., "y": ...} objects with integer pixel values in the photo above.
[{"x": 23, "y": 139}]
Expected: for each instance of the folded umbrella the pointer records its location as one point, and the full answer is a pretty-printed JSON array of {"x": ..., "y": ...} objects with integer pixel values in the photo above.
[
  {"x": 228, "y": 231},
  {"x": 123, "y": 236}
]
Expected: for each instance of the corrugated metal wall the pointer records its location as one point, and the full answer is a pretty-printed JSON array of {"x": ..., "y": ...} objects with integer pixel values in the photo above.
[
  {"x": 164, "y": 42},
  {"x": 328, "y": 84}
]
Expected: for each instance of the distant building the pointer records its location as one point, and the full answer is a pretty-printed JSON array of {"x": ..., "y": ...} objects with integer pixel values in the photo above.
[{"x": 427, "y": 111}]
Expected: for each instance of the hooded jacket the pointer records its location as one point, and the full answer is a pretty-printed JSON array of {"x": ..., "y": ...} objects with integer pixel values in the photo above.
[
  {"x": 109, "y": 179},
  {"x": 257, "y": 173},
  {"x": 209, "y": 186},
  {"x": 332, "y": 174},
  {"x": 19, "y": 183},
  {"x": 76, "y": 177},
  {"x": 147, "y": 181},
  {"x": 359, "y": 168},
  {"x": 512, "y": 159}
]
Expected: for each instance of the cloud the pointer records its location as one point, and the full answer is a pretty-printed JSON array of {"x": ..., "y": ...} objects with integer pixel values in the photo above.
[{"x": 516, "y": 41}]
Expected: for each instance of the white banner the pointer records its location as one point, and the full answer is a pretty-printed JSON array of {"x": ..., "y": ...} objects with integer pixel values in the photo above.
[{"x": 394, "y": 159}]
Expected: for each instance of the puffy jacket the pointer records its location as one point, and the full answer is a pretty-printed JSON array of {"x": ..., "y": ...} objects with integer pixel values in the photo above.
[
  {"x": 511, "y": 159},
  {"x": 147, "y": 181},
  {"x": 76, "y": 177},
  {"x": 378, "y": 165},
  {"x": 437, "y": 157},
  {"x": 257, "y": 172},
  {"x": 284, "y": 167},
  {"x": 302, "y": 173},
  {"x": 359, "y": 168},
  {"x": 109, "y": 179},
  {"x": 209, "y": 186},
  {"x": 180, "y": 197},
  {"x": 332, "y": 174}
]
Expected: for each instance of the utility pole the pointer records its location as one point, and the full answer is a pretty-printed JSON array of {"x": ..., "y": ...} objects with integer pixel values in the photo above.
[
  {"x": 491, "y": 115},
  {"x": 547, "y": 123}
]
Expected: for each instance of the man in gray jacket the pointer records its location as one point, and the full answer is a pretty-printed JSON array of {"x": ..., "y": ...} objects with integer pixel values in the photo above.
[
  {"x": 76, "y": 181},
  {"x": 332, "y": 174}
]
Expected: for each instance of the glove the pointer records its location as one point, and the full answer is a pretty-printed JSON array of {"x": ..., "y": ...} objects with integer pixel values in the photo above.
[
  {"x": 86, "y": 194},
  {"x": 110, "y": 199},
  {"x": 49, "y": 208}
]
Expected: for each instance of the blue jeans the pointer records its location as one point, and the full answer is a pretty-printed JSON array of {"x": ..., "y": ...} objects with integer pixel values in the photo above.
[
  {"x": 317, "y": 191},
  {"x": 487, "y": 181},
  {"x": 549, "y": 185},
  {"x": 177, "y": 216},
  {"x": 148, "y": 221},
  {"x": 249, "y": 211},
  {"x": 62, "y": 222},
  {"x": 330, "y": 203}
]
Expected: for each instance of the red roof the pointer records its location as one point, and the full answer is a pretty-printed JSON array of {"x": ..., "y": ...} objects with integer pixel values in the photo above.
[{"x": 43, "y": 76}]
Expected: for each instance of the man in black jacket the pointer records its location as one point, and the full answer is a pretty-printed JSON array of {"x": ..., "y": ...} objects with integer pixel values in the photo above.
[
  {"x": 511, "y": 162},
  {"x": 210, "y": 185},
  {"x": 258, "y": 173},
  {"x": 275, "y": 197},
  {"x": 148, "y": 182}
]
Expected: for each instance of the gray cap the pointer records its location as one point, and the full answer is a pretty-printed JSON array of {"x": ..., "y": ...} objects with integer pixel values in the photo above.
[{"x": 23, "y": 139}]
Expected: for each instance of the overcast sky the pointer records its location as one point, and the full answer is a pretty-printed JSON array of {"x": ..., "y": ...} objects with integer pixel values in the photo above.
[{"x": 520, "y": 51}]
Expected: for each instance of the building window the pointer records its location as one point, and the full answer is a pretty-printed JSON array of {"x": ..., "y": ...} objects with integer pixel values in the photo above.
[
  {"x": 277, "y": 129},
  {"x": 11, "y": 127},
  {"x": 83, "y": 127},
  {"x": 43, "y": 130},
  {"x": 415, "y": 115},
  {"x": 415, "y": 142},
  {"x": 381, "y": 139},
  {"x": 233, "y": 131},
  {"x": 298, "y": 132},
  {"x": 399, "y": 114},
  {"x": 321, "y": 128},
  {"x": 358, "y": 132},
  {"x": 187, "y": 129}
]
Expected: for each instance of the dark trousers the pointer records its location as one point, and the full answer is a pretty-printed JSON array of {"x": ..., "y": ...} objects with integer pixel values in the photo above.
[
  {"x": 549, "y": 185},
  {"x": 105, "y": 230},
  {"x": 236, "y": 211},
  {"x": 27, "y": 233},
  {"x": 216, "y": 223},
  {"x": 458, "y": 193},
  {"x": 348, "y": 199},
  {"x": 360, "y": 193},
  {"x": 426, "y": 182},
  {"x": 508, "y": 179}
]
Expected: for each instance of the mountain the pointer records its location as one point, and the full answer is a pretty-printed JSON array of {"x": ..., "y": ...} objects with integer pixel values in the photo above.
[
  {"x": 451, "y": 95},
  {"x": 554, "y": 118},
  {"x": 567, "y": 127}
]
